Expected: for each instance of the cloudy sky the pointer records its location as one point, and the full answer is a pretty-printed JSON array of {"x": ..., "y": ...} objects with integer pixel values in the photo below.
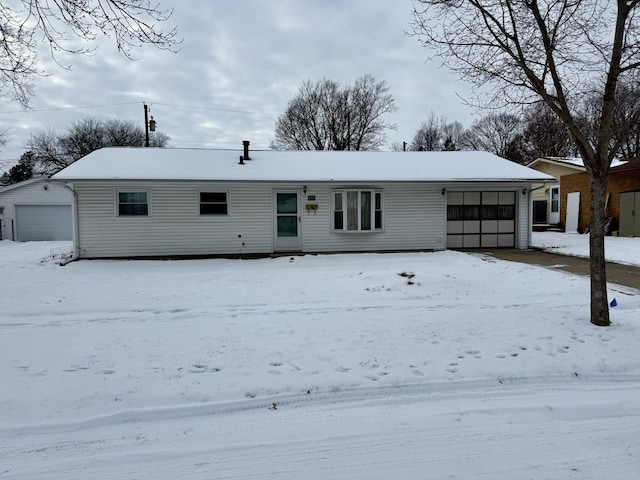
[{"x": 240, "y": 63}]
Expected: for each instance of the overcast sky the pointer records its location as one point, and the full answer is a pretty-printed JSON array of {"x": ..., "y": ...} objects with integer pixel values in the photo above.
[{"x": 240, "y": 63}]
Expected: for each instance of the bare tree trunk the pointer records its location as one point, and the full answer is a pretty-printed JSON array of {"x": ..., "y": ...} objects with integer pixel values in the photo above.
[{"x": 599, "y": 301}]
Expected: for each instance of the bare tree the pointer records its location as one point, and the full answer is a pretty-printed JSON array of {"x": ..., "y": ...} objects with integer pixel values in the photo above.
[
  {"x": 436, "y": 134},
  {"x": 25, "y": 24},
  {"x": 454, "y": 132},
  {"x": 558, "y": 52},
  {"x": 48, "y": 156},
  {"x": 627, "y": 103},
  {"x": 82, "y": 138},
  {"x": 494, "y": 133},
  {"x": 430, "y": 136},
  {"x": 545, "y": 134},
  {"x": 4, "y": 136},
  {"x": 325, "y": 116},
  {"x": 398, "y": 146},
  {"x": 53, "y": 151},
  {"x": 124, "y": 133}
]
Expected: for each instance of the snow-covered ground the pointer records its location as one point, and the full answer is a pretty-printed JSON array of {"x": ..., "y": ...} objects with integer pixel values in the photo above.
[
  {"x": 421, "y": 365},
  {"x": 617, "y": 249}
]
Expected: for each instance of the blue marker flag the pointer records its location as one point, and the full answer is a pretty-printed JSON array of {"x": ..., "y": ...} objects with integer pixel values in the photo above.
[{"x": 614, "y": 303}]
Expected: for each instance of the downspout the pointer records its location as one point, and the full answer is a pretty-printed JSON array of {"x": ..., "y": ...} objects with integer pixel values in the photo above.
[
  {"x": 76, "y": 230},
  {"x": 529, "y": 200}
]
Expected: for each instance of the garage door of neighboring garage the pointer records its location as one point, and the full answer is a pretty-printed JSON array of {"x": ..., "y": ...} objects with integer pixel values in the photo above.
[
  {"x": 481, "y": 219},
  {"x": 43, "y": 222}
]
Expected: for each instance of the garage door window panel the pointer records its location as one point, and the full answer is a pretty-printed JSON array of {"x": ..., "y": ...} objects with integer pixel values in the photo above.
[{"x": 481, "y": 219}]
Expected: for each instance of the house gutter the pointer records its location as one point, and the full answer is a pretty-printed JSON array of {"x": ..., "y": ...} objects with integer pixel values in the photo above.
[{"x": 76, "y": 231}]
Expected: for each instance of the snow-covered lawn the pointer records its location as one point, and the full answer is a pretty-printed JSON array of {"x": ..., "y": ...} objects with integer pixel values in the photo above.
[
  {"x": 617, "y": 249},
  {"x": 420, "y": 365}
]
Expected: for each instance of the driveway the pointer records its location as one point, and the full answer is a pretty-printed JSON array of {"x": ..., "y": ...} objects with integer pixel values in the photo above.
[{"x": 616, "y": 273}]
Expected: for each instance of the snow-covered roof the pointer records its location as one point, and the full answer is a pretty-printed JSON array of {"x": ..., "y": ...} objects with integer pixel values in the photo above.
[
  {"x": 22, "y": 184},
  {"x": 571, "y": 162},
  {"x": 566, "y": 161},
  {"x": 305, "y": 166}
]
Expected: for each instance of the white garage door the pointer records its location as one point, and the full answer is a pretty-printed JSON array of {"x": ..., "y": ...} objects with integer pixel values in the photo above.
[
  {"x": 43, "y": 222},
  {"x": 481, "y": 219}
]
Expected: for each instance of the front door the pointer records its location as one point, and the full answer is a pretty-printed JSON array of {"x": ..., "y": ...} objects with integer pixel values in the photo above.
[
  {"x": 554, "y": 205},
  {"x": 287, "y": 221}
]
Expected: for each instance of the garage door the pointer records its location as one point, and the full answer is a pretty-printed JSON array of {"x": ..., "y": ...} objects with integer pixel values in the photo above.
[
  {"x": 43, "y": 222},
  {"x": 481, "y": 219}
]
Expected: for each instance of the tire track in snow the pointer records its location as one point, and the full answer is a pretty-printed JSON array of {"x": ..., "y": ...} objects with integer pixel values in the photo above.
[{"x": 529, "y": 429}]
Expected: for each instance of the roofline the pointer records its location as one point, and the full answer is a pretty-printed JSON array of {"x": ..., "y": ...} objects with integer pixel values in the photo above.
[
  {"x": 22, "y": 184},
  {"x": 557, "y": 161},
  {"x": 314, "y": 180}
]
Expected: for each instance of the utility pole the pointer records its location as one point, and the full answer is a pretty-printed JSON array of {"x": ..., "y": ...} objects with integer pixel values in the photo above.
[{"x": 149, "y": 125}]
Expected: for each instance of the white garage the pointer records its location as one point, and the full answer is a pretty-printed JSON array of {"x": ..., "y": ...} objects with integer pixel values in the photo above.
[
  {"x": 36, "y": 210},
  {"x": 43, "y": 222}
]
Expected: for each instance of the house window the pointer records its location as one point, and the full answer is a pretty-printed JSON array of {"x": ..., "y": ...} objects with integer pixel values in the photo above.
[
  {"x": 213, "y": 203},
  {"x": 555, "y": 199},
  {"x": 357, "y": 210},
  {"x": 133, "y": 204}
]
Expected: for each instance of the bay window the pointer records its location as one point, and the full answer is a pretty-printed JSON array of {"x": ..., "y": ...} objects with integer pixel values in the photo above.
[{"x": 356, "y": 210}]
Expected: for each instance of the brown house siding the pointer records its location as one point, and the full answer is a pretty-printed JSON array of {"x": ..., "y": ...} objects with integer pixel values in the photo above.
[{"x": 625, "y": 180}]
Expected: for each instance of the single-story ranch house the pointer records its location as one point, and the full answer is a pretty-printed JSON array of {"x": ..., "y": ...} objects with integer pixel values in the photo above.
[{"x": 137, "y": 202}]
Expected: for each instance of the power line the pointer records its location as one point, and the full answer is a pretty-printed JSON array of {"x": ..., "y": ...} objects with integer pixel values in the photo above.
[
  {"x": 70, "y": 108},
  {"x": 192, "y": 107},
  {"x": 214, "y": 109}
]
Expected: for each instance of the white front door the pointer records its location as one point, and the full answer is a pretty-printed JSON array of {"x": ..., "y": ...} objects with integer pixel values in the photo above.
[
  {"x": 554, "y": 204},
  {"x": 573, "y": 212},
  {"x": 286, "y": 221}
]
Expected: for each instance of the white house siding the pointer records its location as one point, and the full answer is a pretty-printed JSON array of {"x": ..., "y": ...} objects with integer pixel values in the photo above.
[
  {"x": 173, "y": 226},
  {"x": 414, "y": 219},
  {"x": 34, "y": 194}
]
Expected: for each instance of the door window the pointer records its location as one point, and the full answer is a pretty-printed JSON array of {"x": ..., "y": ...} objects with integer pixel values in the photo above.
[{"x": 287, "y": 213}]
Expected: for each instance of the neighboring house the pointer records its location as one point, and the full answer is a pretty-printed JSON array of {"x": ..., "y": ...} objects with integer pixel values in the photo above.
[
  {"x": 35, "y": 209},
  {"x": 546, "y": 197},
  {"x": 144, "y": 202},
  {"x": 623, "y": 193}
]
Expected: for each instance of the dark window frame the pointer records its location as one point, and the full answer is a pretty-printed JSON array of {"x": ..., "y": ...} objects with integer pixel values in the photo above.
[
  {"x": 132, "y": 207},
  {"x": 211, "y": 204}
]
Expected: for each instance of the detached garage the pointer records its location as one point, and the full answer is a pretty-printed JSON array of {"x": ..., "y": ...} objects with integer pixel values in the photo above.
[{"x": 36, "y": 210}]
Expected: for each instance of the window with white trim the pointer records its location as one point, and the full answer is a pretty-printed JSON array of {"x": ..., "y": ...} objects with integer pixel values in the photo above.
[
  {"x": 134, "y": 203},
  {"x": 356, "y": 210},
  {"x": 213, "y": 203}
]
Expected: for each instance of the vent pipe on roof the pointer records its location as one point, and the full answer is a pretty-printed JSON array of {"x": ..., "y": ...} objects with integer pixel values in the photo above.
[
  {"x": 245, "y": 155},
  {"x": 245, "y": 144}
]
